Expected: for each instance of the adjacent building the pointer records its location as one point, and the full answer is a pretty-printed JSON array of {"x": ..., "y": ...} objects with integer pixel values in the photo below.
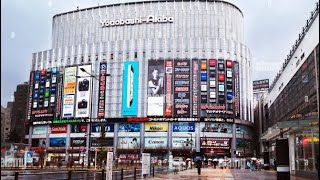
[{"x": 291, "y": 108}]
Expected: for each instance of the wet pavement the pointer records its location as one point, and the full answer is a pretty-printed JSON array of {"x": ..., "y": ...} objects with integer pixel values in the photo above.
[{"x": 221, "y": 174}]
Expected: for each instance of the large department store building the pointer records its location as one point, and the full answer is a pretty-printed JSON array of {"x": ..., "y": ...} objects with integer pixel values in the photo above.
[{"x": 180, "y": 79}]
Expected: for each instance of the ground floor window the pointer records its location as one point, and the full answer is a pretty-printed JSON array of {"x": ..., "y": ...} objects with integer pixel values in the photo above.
[{"x": 306, "y": 149}]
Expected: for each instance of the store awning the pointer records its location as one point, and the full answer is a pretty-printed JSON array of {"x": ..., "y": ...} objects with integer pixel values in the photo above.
[{"x": 286, "y": 126}]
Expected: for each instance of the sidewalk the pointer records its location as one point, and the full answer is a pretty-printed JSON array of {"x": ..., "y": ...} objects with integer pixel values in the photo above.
[{"x": 221, "y": 174}]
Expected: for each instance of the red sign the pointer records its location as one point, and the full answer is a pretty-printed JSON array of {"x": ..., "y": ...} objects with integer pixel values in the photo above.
[
  {"x": 229, "y": 63},
  {"x": 221, "y": 77},
  {"x": 102, "y": 89},
  {"x": 169, "y": 101},
  {"x": 212, "y": 62},
  {"x": 59, "y": 129},
  {"x": 215, "y": 143}
]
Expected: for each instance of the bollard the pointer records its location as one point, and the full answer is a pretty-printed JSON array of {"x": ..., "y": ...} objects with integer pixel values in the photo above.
[
  {"x": 16, "y": 175},
  {"x": 153, "y": 171},
  {"x": 102, "y": 174},
  {"x": 135, "y": 173},
  {"x": 69, "y": 175},
  {"x": 121, "y": 176}
]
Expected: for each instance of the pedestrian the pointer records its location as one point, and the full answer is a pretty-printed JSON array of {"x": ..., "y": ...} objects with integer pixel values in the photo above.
[{"x": 198, "y": 164}]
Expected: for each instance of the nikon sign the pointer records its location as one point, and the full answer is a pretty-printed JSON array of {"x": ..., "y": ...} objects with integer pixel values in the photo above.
[{"x": 133, "y": 21}]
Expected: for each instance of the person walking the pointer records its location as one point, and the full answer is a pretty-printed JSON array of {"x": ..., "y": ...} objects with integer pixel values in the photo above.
[{"x": 198, "y": 164}]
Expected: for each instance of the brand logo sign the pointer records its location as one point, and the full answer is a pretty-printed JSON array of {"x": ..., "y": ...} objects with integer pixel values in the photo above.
[
  {"x": 77, "y": 142},
  {"x": 156, "y": 127},
  {"x": 154, "y": 143},
  {"x": 136, "y": 20},
  {"x": 183, "y": 142},
  {"x": 58, "y": 129},
  {"x": 37, "y": 130},
  {"x": 183, "y": 127}
]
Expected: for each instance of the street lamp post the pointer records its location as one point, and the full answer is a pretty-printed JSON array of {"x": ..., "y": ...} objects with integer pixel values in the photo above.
[
  {"x": 91, "y": 104},
  {"x": 191, "y": 149}
]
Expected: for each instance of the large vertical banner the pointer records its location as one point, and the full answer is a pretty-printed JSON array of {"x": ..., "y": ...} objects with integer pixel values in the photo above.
[
  {"x": 69, "y": 91},
  {"x": 229, "y": 88},
  {"x": 83, "y": 91},
  {"x": 30, "y": 96},
  {"x": 221, "y": 82},
  {"x": 203, "y": 86},
  {"x": 59, "y": 79},
  {"x": 102, "y": 90},
  {"x": 168, "y": 84},
  {"x": 155, "y": 88},
  {"x": 236, "y": 89},
  {"x": 130, "y": 88},
  {"x": 195, "y": 87},
  {"x": 182, "y": 88}
]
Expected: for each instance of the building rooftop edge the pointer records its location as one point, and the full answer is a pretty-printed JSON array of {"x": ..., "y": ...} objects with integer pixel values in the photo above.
[{"x": 150, "y": 1}]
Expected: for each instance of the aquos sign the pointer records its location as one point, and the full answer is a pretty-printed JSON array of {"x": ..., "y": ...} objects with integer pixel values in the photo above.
[{"x": 136, "y": 20}]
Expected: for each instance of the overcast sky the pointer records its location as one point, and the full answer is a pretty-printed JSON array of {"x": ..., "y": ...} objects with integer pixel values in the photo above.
[{"x": 271, "y": 28}]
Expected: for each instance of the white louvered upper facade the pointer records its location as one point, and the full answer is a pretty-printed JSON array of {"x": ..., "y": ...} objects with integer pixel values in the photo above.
[{"x": 200, "y": 29}]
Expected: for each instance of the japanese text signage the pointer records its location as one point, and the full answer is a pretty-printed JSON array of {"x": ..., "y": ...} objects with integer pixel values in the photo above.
[
  {"x": 102, "y": 90},
  {"x": 219, "y": 143}
]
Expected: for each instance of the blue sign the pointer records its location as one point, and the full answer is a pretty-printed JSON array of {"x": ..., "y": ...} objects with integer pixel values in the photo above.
[
  {"x": 184, "y": 127},
  {"x": 29, "y": 157},
  {"x": 229, "y": 95},
  {"x": 57, "y": 142},
  {"x": 203, "y": 76},
  {"x": 130, "y": 88},
  {"x": 129, "y": 127},
  {"x": 97, "y": 127}
]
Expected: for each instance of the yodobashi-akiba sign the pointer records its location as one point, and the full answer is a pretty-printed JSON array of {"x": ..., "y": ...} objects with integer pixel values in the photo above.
[{"x": 136, "y": 20}]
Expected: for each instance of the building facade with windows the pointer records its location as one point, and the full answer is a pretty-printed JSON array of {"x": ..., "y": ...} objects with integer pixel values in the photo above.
[
  {"x": 291, "y": 108},
  {"x": 180, "y": 79}
]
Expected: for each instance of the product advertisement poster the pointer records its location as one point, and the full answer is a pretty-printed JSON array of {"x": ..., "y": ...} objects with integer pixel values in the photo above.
[
  {"x": 216, "y": 127},
  {"x": 128, "y": 142},
  {"x": 83, "y": 91},
  {"x": 156, "y": 73},
  {"x": 69, "y": 91},
  {"x": 130, "y": 88},
  {"x": 129, "y": 127},
  {"x": 183, "y": 142}
]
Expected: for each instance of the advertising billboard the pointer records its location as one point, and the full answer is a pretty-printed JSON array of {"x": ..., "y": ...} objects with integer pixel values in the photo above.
[
  {"x": 203, "y": 85},
  {"x": 183, "y": 127},
  {"x": 155, "y": 87},
  {"x": 30, "y": 96},
  {"x": 236, "y": 89},
  {"x": 195, "y": 87},
  {"x": 83, "y": 91},
  {"x": 129, "y": 127},
  {"x": 214, "y": 143},
  {"x": 58, "y": 129},
  {"x": 212, "y": 82},
  {"x": 38, "y": 130},
  {"x": 229, "y": 87},
  {"x": 69, "y": 91},
  {"x": 156, "y": 127},
  {"x": 57, "y": 142},
  {"x": 96, "y": 142},
  {"x": 130, "y": 88},
  {"x": 77, "y": 142},
  {"x": 183, "y": 143},
  {"x": 97, "y": 127},
  {"x": 102, "y": 90},
  {"x": 156, "y": 142},
  {"x": 43, "y": 96},
  {"x": 216, "y": 127},
  {"x": 261, "y": 85},
  {"x": 168, "y": 86},
  {"x": 181, "y": 88},
  {"x": 78, "y": 128},
  {"x": 59, "y": 80},
  {"x": 128, "y": 143}
]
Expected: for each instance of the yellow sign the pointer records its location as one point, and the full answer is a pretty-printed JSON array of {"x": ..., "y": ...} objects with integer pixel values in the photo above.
[
  {"x": 70, "y": 88},
  {"x": 313, "y": 139},
  {"x": 156, "y": 127}
]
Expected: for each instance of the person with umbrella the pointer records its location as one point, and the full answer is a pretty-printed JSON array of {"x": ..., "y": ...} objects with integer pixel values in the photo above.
[{"x": 198, "y": 162}]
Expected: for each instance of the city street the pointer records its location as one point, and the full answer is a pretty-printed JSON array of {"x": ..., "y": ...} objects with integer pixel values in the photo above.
[
  {"x": 206, "y": 174},
  {"x": 222, "y": 174}
]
